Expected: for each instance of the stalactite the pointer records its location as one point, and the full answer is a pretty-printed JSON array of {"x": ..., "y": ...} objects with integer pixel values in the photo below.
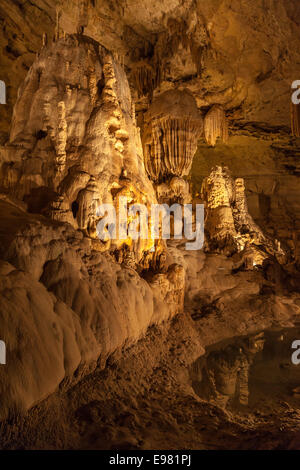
[
  {"x": 44, "y": 40},
  {"x": 172, "y": 128},
  {"x": 174, "y": 142},
  {"x": 295, "y": 119},
  {"x": 199, "y": 53},
  {"x": 57, "y": 28},
  {"x": 193, "y": 36},
  {"x": 215, "y": 125},
  {"x": 145, "y": 78}
]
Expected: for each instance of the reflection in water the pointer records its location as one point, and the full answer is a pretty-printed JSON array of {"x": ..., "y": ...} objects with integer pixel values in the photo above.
[{"x": 247, "y": 370}]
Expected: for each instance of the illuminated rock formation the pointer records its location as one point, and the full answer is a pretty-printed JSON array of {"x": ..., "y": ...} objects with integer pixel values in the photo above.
[
  {"x": 75, "y": 126},
  {"x": 75, "y": 305},
  {"x": 74, "y": 145},
  {"x": 218, "y": 193},
  {"x": 215, "y": 125},
  {"x": 176, "y": 190},
  {"x": 229, "y": 226},
  {"x": 172, "y": 127},
  {"x": 131, "y": 316}
]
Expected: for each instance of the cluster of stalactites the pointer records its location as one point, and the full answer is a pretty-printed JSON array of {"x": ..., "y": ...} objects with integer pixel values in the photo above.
[
  {"x": 295, "y": 119},
  {"x": 145, "y": 78},
  {"x": 173, "y": 145},
  {"x": 215, "y": 125},
  {"x": 193, "y": 36}
]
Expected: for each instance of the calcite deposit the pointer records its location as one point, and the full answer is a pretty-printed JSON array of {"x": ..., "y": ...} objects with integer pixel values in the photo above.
[
  {"x": 134, "y": 343},
  {"x": 215, "y": 125},
  {"x": 73, "y": 146},
  {"x": 74, "y": 126},
  {"x": 172, "y": 127},
  {"x": 229, "y": 226}
]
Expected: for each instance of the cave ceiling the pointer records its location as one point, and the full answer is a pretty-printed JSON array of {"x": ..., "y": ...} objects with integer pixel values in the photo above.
[{"x": 243, "y": 55}]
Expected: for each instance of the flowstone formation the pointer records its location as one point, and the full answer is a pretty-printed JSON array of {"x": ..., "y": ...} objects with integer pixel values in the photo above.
[
  {"x": 228, "y": 225},
  {"x": 109, "y": 342},
  {"x": 74, "y": 144},
  {"x": 172, "y": 127}
]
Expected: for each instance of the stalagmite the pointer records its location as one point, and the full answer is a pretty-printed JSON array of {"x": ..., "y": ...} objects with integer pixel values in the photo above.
[
  {"x": 228, "y": 224},
  {"x": 217, "y": 193},
  {"x": 61, "y": 137},
  {"x": 44, "y": 41},
  {"x": 2, "y": 92},
  {"x": 85, "y": 146},
  {"x": 47, "y": 117},
  {"x": 241, "y": 213},
  {"x": 88, "y": 201},
  {"x": 215, "y": 125},
  {"x": 92, "y": 84},
  {"x": 10, "y": 175}
]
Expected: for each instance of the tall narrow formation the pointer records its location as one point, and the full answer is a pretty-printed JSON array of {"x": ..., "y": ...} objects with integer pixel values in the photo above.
[
  {"x": 92, "y": 82},
  {"x": 2, "y": 92},
  {"x": 218, "y": 194},
  {"x": 61, "y": 138},
  {"x": 243, "y": 219},
  {"x": 295, "y": 119},
  {"x": 44, "y": 40},
  {"x": 171, "y": 131},
  {"x": 88, "y": 202},
  {"x": 57, "y": 25},
  {"x": 229, "y": 226},
  {"x": 215, "y": 125}
]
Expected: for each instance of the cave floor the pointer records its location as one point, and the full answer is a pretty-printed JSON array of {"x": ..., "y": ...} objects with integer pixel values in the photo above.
[{"x": 143, "y": 399}]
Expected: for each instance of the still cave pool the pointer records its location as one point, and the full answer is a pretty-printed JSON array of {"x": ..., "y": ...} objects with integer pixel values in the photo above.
[{"x": 250, "y": 371}]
